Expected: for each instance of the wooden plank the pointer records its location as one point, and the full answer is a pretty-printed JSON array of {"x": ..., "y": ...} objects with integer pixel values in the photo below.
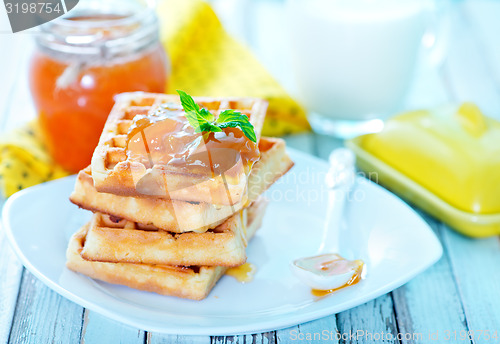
[
  {"x": 160, "y": 338},
  {"x": 483, "y": 20},
  {"x": 10, "y": 279},
  {"x": 99, "y": 329},
  {"x": 372, "y": 322},
  {"x": 271, "y": 42},
  {"x": 10, "y": 64},
  {"x": 324, "y": 145},
  {"x": 475, "y": 264},
  {"x": 324, "y": 329},
  {"x": 302, "y": 142},
  {"x": 10, "y": 267},
  {"x": 427, "y": 90},
  {"x": 260, "y": 338},
  {"x": 468, "y": 75},
  {"x": 430, "y": 304},
  {"x": 43, "y": 316},
  {"x": 352, "y": 320},
  {"x": 21, "y": 108}
]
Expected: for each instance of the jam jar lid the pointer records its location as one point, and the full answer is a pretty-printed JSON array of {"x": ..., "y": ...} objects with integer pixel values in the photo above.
[{"x": 101, "y": 30}]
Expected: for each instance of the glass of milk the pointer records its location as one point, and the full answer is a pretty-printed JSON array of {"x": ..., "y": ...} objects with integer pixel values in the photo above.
[{"x": 354, "y": 60}]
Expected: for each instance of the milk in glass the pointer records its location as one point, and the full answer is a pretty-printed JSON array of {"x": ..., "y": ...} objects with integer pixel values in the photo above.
[{"x": 354, "y": 60}]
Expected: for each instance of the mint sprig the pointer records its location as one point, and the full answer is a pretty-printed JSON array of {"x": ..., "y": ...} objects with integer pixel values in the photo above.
[{"x": 203, "y": 120}]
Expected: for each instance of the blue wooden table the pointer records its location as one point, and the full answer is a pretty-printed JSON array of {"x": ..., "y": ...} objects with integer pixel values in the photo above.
[{"x": 455, "y": 301}]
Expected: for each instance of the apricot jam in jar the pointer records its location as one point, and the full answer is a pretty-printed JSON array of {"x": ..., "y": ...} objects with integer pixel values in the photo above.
[{"x": 80, "y": 63}]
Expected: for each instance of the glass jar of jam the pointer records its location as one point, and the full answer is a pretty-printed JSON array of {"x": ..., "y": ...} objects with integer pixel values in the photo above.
[{"x": 81, "y": 62}]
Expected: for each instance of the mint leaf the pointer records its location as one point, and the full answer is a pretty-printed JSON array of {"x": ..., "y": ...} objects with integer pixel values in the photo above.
[
  {"x": 188, "y": 103},
  {"x": 229, "y": 116},
  {"x": 194, "y": 121},
  {"x": 192, "y": 111},
  {"x": 207, "y": 115},
  {"x": 209, "y": 127},
  {"x": 235, "y": 119},
  {"x": 203, "y": 120}
]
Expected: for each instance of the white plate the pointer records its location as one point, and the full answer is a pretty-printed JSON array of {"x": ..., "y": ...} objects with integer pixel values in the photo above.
[{"x": 395, "y": 243}]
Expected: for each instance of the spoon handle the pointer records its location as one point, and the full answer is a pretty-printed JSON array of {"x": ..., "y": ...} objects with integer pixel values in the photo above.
[{"x": 339, "y": 180}]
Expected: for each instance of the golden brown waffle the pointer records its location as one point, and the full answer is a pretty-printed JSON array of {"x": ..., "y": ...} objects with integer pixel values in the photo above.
[
  {"x": 193, "y": 282},
  {"x": 110, "y": 239},
  {"x": 116, "y": 172},
  {"x": 181, "y": 216}
]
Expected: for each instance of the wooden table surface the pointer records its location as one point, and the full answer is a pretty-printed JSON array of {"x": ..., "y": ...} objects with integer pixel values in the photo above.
[{"x": 459, "y": 294}]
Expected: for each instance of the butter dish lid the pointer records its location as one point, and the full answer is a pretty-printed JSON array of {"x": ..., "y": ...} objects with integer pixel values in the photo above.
[{"x": 446, "y": 160}]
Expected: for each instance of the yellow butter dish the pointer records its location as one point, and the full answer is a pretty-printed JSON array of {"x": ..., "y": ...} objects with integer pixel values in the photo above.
[{"x": 446, "y": 161}]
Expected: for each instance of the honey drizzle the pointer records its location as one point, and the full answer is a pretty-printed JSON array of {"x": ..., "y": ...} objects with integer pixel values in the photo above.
[
  {"x": 146, "y": 146},
  {"x": 243, "y": 224},
  {"x": 243, "y": 273},
  {"x": 171, "y": 140},
  {"x": 354, "y": 280}
]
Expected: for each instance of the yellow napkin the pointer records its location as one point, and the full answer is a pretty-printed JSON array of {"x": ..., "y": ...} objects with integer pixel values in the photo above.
[
  {"x": 207, "y": 61},
  {"x": 24, "y": 160}
]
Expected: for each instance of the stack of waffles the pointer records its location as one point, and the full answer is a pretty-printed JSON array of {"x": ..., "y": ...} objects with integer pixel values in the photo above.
[{"x": 177, "y": 240}]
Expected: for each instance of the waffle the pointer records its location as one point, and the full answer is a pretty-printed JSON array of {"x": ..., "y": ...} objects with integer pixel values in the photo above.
[
  {"x": 181, "y": 216},
  {"x": 115, "y": 171},
  {"x": 115, "y": 240},
  {"x": 193, "y": 282}
]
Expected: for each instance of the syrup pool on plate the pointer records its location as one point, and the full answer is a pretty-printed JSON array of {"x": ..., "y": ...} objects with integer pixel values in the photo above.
[
  {"x": 243, "y": 273},
  {"x": 327, "y": 273}
]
